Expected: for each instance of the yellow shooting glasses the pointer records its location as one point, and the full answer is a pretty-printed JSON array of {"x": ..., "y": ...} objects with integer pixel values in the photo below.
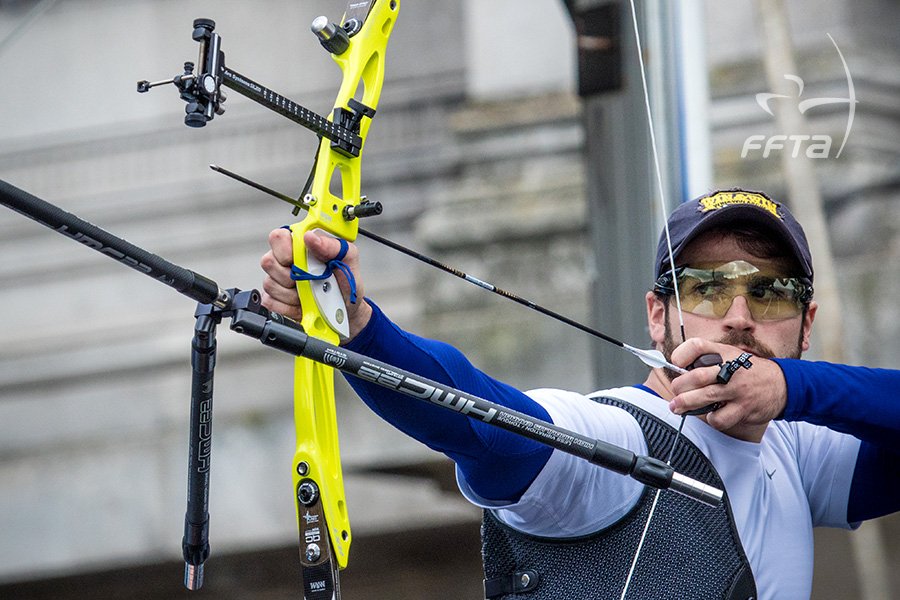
[{"x": 709, "y": 290}]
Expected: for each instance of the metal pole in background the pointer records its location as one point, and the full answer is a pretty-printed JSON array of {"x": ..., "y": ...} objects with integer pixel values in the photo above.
[
  {"x": 621, "y": 193},
  {"x": 806, "y": 203}
]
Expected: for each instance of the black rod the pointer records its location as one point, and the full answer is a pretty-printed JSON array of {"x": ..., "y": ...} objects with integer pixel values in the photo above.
[
  {"x": 195, "y": 543},
  {"x": 649, "y": 471},
  {"x": 346, "y": 138},
  {"x": 191, "y": 284},
  {"x": 273, "y": 330}
]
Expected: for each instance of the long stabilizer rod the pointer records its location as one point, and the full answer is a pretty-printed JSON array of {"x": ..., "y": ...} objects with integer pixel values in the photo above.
[
  {"x": 273, "y": 330},
  {"x": 191, "y": 284},
  {"x": 282, "y": 335}
]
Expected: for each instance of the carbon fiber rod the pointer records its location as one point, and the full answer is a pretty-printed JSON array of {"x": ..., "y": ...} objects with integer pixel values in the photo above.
[
  {"x": 191, "y": 284},
  {"x": 273, "y": 330}
]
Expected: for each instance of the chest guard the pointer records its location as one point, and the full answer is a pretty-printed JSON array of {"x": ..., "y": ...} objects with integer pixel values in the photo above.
[{"x": 692, "y": 551}]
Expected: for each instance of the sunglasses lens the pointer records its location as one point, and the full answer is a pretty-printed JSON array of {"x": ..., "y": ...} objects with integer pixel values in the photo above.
[{"x": 710, "y": 292}]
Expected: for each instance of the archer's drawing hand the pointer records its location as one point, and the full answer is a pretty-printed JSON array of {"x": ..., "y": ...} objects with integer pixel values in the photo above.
[
  {"x": 754, "y": 396},
  {"x": 280, "y": 291}
]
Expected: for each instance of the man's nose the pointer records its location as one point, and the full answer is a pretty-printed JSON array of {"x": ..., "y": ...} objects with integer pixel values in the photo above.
[{"x": 738, "y": 316}]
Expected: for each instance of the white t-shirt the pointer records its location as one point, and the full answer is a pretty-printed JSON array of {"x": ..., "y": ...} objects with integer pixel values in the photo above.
[{"x": 798, "y": 477}]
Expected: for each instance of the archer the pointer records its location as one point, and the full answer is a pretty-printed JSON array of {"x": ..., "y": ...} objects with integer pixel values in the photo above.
[{"x": 744, "y": 273}]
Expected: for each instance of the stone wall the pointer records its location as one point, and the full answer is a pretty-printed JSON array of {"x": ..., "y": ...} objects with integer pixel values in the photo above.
[{"x": 482, "y": 171}]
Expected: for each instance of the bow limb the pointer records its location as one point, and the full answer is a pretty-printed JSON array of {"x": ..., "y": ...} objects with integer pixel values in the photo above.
[{"x": 335, "y": 188}]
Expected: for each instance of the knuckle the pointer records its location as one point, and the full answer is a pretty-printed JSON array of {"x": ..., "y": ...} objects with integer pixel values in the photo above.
[
  {"x": 275, "y": 237},
  {"x": 266, "y": 300}
]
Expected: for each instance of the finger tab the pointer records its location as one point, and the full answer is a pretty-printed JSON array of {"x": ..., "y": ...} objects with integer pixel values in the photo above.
[{"x": 706, "y": 360}]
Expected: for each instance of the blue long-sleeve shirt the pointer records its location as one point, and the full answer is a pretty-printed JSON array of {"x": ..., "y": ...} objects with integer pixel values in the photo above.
[
  {"x": 499, "y": 465},
  {"x": 864, "y": 403}
]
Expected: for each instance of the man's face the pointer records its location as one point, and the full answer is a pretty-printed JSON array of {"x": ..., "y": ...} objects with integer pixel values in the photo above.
[{"x": 783, "y": 338}]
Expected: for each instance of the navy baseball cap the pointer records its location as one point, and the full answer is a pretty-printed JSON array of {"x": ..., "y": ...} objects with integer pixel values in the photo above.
[{"x": 732, "y": 207}]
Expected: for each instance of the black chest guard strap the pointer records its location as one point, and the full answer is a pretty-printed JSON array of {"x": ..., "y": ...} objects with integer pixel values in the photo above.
[{"x": 692, "y": 551}]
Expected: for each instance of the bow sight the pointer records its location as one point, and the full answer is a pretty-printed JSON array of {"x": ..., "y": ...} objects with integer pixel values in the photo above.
[{"x": 204, "y": 95}]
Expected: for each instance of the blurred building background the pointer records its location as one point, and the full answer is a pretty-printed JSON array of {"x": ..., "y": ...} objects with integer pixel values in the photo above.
[{"x": 483, "y": 154}]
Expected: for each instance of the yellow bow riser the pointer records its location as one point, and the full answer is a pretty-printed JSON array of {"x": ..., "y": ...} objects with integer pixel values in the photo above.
[{"x": 335, "y": 187}]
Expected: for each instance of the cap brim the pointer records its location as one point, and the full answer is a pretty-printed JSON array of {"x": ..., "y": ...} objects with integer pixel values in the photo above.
[{"x": 745, "y": 213}]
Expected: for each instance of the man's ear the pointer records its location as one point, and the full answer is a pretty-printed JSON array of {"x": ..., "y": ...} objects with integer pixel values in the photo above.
[
  {"x": 807, "y": 325},
  {"x": 656, "y": 317}
]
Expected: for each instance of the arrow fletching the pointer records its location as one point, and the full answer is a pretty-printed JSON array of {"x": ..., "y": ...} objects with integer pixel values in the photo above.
[{"x": 654, "y": 358}]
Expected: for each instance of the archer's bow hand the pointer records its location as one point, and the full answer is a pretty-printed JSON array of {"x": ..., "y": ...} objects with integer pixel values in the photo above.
[
  {"x": 754, "y": 396},
  {"x": 280, "y": 291}
]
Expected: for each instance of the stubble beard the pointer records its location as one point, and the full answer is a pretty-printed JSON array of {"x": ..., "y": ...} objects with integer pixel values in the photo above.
[{"x": 741, "y": 339}]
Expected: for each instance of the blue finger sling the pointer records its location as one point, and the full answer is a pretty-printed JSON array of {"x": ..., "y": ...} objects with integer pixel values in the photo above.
[{"x": 336, "y": 263}]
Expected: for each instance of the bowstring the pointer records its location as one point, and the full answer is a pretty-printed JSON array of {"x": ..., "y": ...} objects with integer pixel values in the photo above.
[{"x": 664, "y": 207}]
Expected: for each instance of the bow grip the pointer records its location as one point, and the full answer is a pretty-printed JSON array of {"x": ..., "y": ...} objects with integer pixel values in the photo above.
[{"x": 325, "y": 292}]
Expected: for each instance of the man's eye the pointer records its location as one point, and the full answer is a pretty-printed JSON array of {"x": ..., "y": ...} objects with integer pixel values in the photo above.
[
  {"x": 769, "y": 291},
  {"x": 708, "y": 289}
]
